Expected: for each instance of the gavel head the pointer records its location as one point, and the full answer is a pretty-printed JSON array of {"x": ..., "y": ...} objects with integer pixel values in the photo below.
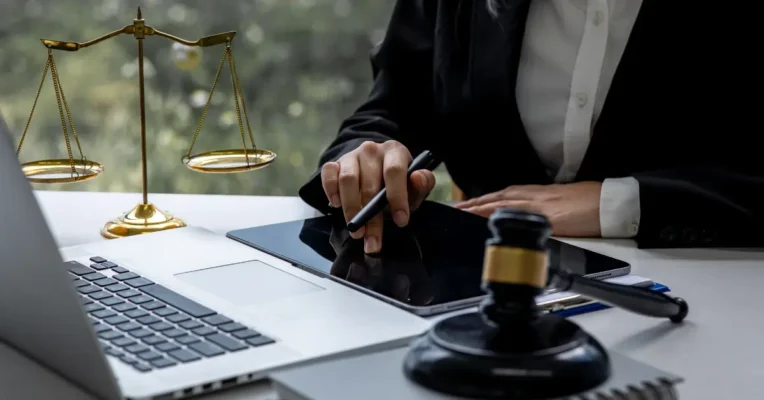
[{"x": 515, "y": 265}]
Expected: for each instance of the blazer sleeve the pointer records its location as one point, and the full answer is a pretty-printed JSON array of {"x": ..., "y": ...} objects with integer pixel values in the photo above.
[
  {"x": 701, "y": 207},
  {"x": 400, "y": 96}
]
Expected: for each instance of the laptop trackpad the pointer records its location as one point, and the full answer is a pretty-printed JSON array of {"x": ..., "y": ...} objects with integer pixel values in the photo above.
[{"x": 248, "y": 282}]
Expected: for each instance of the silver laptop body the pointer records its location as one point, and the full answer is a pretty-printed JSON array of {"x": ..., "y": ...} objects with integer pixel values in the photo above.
[{"x": 169, "y": 314}]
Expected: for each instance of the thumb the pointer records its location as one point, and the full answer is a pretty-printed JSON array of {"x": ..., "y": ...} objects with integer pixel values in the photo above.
[{"x": 421, "y": 182}]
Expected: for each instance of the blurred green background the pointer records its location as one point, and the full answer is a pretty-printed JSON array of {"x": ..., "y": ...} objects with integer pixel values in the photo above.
[{"x": 303, "y": 66}]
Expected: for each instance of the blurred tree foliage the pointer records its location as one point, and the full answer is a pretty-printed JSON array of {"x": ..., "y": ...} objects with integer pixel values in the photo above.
[{"x": 303, "y": 66}]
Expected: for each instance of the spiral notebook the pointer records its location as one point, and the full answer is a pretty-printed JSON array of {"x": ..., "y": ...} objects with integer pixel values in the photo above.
[{"x": 379, "y": 376}]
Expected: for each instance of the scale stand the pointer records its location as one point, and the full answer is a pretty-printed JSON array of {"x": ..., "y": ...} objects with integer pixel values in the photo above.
[{"x": 144, "y": 217}]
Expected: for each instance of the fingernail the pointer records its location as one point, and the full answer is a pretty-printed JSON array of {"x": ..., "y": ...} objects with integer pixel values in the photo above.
[
  {"x": 371, "y": 245},
  {"x": 400, "y": 218},
  {"x": 359, "y": 233},
  {"x": 336, "y": 201}
]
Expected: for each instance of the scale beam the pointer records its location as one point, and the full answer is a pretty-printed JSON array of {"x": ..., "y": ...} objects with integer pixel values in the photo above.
[{"x": 207, "y": 41}]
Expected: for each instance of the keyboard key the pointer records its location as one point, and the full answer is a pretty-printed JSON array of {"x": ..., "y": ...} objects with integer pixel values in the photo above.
[
  {"x": 191, "y": 325},
  {"x": 122, "y": 342},
  {"x": 85, "y": 300},
  {"x": 136, "y": 348},
  {"x": 97, "y": 259},
  {"x": 98, "y": 267},
  {"x": 163, "y": 362},
  {"x": 94, "y": 276},
  {"x": 182, "y": 303},
  {"x": 109, "y": 264},
  {"x": 128, "y": 360},
  {"x": 173, "y": 333},
  {"x": 110, "y": 335},
  {"x": 111, "y": 301},
  {"x": 163, "y": 312},
  {"x": 124, "y": 307},
  {"x": 105, "y": 313},
  {"x": 167, "y": 346},
  {"x": 129, "y": 293},
  {"x": 138, "y": 282},
  {"x": 178, "y": 318},
  {"x": 136, "y": 313},
  {"x": 141, "y": 333},
  {"x": 78, "y": 269},
  {"x": 152, "y": 305},
  {"x": 125, "y": 275},
  {"x": 100, "y": 295},
  {"x": 226, "y": 342},
  {"x": 113, "y": 352},
  {"x": 119, "y": 270},
  {"x": 94, "y": 321},
  {"x": 128, "y": 327},
  {"x": 216, "y": 320},
  {"x": 245, "y": 334},
  {"x": 105, "y": 282},
  {"x": 160, "y": 326},
  {"x": 232, "y": 327},
  {"x": 81, "y": 283},
  {"x": 142, "y": 367},
  {"x": 99, "y": 328},
  {"x": 148, "y": 319},
  {"x": 93, "y": 307},
  {"x": 260, "y": 341},
  {"x": 115, "y": 320},
  {"x": 206, "y": 349},
  {"x": 88, "y": 289},
  {"x": 141, "y": 299},
  {"x": 149, "y": 355},
  {"x": 187, "y": 339},
  {"x": 204, "y": 331},
  {"x": 116, "y": 288},
  {"x": 184, "y": 356},
  {"x": 153, "y": 340}
]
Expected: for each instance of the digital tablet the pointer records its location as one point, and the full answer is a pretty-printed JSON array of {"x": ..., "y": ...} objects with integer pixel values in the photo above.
[{"x": 433, "y": 265}]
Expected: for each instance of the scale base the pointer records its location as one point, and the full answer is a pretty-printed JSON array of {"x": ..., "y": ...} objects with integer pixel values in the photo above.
[
  {"x": 542, "y": 358},
  {"x": 143, "y": 218}
]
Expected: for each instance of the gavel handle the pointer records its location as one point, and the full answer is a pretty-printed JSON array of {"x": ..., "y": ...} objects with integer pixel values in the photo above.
[{"x": 639, "y": 300}]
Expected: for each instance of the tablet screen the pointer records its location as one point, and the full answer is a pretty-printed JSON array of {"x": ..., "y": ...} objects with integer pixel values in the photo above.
[{"x": 436, "y": 259}]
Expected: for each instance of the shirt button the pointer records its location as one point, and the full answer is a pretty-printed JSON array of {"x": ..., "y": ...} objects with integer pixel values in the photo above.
[{"x": 581, "y": 99}]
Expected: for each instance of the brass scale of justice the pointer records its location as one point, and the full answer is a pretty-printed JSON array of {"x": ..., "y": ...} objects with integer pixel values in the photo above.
[{"x": 145, "y": 217}]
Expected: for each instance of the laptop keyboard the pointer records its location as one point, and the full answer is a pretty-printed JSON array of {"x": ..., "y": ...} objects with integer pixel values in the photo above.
[{"x": 148, "y": 326}]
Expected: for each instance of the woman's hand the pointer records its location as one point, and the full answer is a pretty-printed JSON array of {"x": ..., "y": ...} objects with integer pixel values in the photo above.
[
  {"x": 573, "y": 209},
  {"x": 354, "y": 179}
]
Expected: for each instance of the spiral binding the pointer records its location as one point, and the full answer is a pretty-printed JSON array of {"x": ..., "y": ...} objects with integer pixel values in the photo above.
[{"x": 663, "y": 389}]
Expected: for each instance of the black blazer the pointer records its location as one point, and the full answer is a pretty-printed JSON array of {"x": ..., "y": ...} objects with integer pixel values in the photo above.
[{"x": 679, "y": 116}]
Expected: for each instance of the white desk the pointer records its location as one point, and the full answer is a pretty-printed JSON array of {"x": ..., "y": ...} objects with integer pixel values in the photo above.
[{"x": 718, "y": 349}]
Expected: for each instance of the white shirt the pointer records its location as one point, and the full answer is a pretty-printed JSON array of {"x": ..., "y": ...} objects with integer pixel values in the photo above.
[{"x": 570, "y": 53}]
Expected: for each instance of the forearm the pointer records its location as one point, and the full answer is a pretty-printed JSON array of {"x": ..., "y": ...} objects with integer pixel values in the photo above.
[
  {"x": 397, "y": 107},
  {"x": 703, "y": 207}
]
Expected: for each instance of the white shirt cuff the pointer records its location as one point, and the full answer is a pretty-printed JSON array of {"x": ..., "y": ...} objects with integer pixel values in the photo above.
[{"x": 619, "y": 208}]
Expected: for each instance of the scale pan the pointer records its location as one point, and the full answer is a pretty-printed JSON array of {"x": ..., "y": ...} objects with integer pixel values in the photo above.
[
  {"x": 60, "y": 170},
  {"x": 229, "y": 161}
]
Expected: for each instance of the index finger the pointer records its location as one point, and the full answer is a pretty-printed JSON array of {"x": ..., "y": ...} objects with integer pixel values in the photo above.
[{"x": 395, "y": 172}]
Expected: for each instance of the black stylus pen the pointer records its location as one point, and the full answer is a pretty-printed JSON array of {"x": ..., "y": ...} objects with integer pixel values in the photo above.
[{"x": 375, "y": 206}]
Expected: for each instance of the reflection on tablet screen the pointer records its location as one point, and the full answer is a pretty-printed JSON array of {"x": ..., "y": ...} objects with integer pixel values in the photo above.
[{"x": 437, "y": 259}]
